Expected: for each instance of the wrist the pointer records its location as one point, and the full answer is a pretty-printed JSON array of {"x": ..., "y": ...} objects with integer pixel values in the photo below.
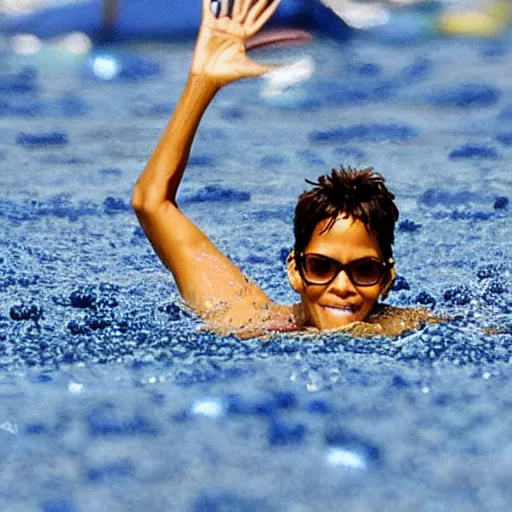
[{"x": 203, "y": 84}]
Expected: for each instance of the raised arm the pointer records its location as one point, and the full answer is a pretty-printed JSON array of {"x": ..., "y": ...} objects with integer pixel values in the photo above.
[{"x": 208, "y": 281}]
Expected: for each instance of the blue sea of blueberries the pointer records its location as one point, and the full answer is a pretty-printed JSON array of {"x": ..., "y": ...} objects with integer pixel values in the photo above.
[{"x": 113, "y": 395}]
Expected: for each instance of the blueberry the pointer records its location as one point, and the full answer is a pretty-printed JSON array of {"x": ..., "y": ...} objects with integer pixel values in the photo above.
[
  {"x": 213, "y": 193},
  {"x": 36, "y": 429},
  {"x": 408, "y": 226},
  {"x": 283, "y": 254},
  {"x": 122, "y": 468},
  {"x": 365, "y": 133},
  {"x": 458, "y": 295},
  {"x": 233, "y": 114},
  {"x": 77, "y": 328},
  {"x": 113, "y": 205},
  {"x": 425, "y": 298},
  {"x": 283, "y": 434},
  {"x": 284, "y": 399},
  {"x": 310, "y": 157},
  {"x": 42, "y": 139},
  {"x": 442, "y": 400},
  {"x": 201, "y": 161},
  {"x": 318, "y": 407},
  {"x": 474, "y": 151},
  {"x": 83, "y": 298},
  {"x": 505, "y": 138},
  {"x": 58, "y": 505},
  {"x": 501, "y": 203},
  {"x": 22, "y": 312},
  {"x": 98, "y": 321},
  {"x": 489, "y": 270},
  {"x": 469, "y": 95},
  {"x": 400, "y": 284},
  {"x": 399, "y": 382},
  {"x": 173, "y": 311},
  {"x": 229, "y": 502},
  {"x": 108, "y": 420}
]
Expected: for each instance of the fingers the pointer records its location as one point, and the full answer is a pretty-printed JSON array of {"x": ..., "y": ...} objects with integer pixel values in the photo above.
[
  {"x": 256, "y": 10},
  {"x": 243, "y": 9},
  {"x": 224, "y": 8},
  {"x": 252, "y": 14},
  {"x": 231, "y": 4},
  {"x": 261, "y": 16},
  {"x": 217, "y": 8},
  {"x": 237, "y": 9},
  {"x": 206, "y": 11}
]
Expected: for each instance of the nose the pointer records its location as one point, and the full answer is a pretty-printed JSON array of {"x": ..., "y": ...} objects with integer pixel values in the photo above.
[{"x": 342, "y": 285}]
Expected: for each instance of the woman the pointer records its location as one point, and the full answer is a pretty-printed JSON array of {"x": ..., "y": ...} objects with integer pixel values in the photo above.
[{"x": 342, "y": 261}]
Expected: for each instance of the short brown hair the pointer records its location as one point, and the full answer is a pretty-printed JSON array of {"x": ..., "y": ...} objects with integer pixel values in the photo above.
[{"x": 357, "y": 193}]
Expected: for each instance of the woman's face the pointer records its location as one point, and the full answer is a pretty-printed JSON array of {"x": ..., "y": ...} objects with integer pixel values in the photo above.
[{"x": 340, "y": 302}]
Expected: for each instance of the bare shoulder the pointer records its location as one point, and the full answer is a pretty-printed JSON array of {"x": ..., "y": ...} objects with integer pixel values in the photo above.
[
  {"x": 393, "y": 321},
  {"x": 260, "y": 320}
]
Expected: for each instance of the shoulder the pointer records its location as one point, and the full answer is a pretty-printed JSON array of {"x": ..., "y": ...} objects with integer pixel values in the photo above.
[
  {"x": 259, "y": 321},
  {"x": 391, "y": 322},
  {"x": 394, "y": 321}
]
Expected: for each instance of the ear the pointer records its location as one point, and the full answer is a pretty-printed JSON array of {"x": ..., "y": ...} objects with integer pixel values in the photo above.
[
  {"x": 388, "y": 283},
  {"x": 293, "y": 273}
]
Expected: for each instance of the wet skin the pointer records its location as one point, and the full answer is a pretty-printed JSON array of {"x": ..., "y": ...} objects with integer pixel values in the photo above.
[
  {"x": 209, "y": 282},
  {"x": 340, "y": 302}
]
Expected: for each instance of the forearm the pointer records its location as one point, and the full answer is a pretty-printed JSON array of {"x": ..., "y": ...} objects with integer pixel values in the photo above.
[
  {"x": 160, "y": 180},
  {"x": 206, "y": 278}
]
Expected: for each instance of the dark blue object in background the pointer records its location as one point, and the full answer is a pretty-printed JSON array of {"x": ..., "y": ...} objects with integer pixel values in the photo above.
[{"x": 158, "y": 19}]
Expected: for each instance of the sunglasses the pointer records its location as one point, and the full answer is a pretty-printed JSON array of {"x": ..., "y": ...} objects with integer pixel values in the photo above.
[{"x": 322, "y": 270}]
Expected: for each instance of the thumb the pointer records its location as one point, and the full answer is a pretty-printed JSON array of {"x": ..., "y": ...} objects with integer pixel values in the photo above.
[{"x": 255, "y": 69}]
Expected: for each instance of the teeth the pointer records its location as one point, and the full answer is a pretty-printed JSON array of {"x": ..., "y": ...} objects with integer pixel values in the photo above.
[{"x": 340, "y": 311}]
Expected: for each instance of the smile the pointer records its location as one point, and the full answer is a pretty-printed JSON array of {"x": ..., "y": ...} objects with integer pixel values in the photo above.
[{"x": 342, "y": 310}]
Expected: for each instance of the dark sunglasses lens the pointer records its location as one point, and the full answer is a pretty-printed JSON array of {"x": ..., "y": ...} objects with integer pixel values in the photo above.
[
  {"x": 319, "y": 270},
  {"x": 367, "y": 272}
]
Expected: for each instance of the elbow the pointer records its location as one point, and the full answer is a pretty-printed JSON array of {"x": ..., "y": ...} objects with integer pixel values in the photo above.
[
  {"x": 148, "y": 202},
  {"x": 142, "y": 202},
  {"x": 137, "y": 199}
]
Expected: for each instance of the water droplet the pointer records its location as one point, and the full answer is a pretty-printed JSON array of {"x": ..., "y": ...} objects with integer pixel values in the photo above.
[
  {"x": 75, "y": 388},
  {"x": 105, "y": 67},
  {"x": 345, "y": 458},
  {"x": 208, "y": 407},
  {"x": 26, "y": 44}
]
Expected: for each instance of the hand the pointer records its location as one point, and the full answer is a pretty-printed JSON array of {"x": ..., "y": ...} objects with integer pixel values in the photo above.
[{"x": 220, "y": 48}]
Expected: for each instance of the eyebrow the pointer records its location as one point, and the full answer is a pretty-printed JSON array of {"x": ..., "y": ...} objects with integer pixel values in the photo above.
[{"x": 359, "y": 257}]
